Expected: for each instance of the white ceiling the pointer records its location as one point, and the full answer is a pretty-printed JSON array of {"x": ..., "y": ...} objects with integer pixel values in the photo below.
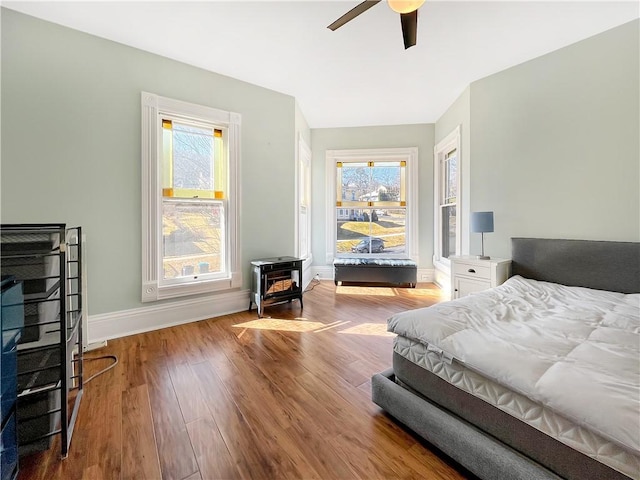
[{"x": 360, "y": 74}]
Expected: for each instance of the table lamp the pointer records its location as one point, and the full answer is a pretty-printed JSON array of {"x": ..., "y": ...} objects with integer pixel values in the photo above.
[{"x": 482, "y": 222}]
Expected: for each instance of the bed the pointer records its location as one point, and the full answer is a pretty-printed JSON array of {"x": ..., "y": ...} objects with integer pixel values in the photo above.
[{"x": 452, "y": 382}]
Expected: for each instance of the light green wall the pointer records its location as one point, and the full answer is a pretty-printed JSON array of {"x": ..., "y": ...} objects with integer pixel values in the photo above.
[
  {"x": 302, "y": 127},
  {"x": 555, "y": 143},
  {"x": 418, "y": 135},
  {"x": 459, "y": 114},
  {"x": 71, "y": 147}
]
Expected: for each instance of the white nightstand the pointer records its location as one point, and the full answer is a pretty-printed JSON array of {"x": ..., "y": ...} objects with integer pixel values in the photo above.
[{"x": 469, "y": 274}]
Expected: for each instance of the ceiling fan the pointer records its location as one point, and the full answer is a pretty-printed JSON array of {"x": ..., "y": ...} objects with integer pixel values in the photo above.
[{"x": 408, "y": 10}]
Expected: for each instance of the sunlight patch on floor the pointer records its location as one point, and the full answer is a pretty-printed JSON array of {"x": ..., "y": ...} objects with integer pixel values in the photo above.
[
  {"x": 434, "y": 293},
  {"x": 332, "y": 325},
  {"x": 377, "y": 291},
  {"x": 304, "y": 326},
  {"x": 376, "y": 329},
  {"x": 283, "y": 325}
]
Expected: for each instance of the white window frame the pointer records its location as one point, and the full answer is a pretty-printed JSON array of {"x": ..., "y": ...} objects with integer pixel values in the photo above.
[
  {"x": 449, "y": 143},
  {"x": 153, "y": 106},
  {"x": 407, "y": 154},
  {"x": 303, "y": 201}
]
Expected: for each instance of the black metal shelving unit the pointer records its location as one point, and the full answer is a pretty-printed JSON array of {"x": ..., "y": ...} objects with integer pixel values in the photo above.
[{"x": 47, "y": 258}]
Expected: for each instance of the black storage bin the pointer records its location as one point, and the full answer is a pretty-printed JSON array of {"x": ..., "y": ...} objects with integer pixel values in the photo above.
[{"x": 11, "y": 322}]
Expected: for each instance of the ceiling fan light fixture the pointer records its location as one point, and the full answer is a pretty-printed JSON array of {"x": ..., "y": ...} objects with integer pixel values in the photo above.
[{"x": 405, "y": 6}]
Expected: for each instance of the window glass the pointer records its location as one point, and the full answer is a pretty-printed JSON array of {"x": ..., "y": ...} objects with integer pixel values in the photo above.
[
  {"x": 386, "y": 182},
  {"x": 450, "y": 172},
  {"x": 447, "y": 211},
  {"x": 192, "y": 157},
  {"x": 193, "y": 161},
  {"x": 193, "y": 234},
  {"x": 193, "y": 238},
  {"x": 371, "y": 183},
  {"x": 448, "y": 234},
  {"x": 355, "y": 181},
  {"x": 371, "y": 230},
  {"x": 370, "y": 226}
]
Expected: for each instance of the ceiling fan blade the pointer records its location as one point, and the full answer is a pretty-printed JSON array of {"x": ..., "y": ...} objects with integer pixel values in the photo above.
[
  {"x": 353, "y": 13},
  {"x": 409, "y": 23}
]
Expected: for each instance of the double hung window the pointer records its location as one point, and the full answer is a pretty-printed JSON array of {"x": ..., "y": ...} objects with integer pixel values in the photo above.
[
  {"x": 447, "y": 199},
  {"x": 449, "y": 203},
  {"x": 190, "y": 160},
  {"x": 374, "y": 208},
  {"x": 193, "y": 201}
]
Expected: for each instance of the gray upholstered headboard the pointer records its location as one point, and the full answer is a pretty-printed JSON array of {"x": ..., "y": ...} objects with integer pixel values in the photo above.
[{"x": 613, "y": 266}]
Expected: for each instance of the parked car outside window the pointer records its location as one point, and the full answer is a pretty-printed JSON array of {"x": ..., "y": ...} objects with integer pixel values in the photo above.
[{"x": 377, "y": 246}]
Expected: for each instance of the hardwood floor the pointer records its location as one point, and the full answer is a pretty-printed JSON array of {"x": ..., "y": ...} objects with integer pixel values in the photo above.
[{"x": 241, "y": 397}]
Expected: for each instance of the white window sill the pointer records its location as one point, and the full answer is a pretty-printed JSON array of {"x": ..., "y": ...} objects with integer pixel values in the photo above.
[{"x": 152, "y": 292}]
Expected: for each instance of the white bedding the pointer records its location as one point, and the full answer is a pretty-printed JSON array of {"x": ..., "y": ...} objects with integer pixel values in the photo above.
[{"x": 576, "y": 351}]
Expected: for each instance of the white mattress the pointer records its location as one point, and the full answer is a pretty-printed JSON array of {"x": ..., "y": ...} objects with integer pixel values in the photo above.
[{"x": 563, "y": 359}]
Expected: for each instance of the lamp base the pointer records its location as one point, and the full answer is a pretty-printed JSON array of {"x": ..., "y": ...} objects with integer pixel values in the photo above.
[{"x": 483, "y": 257}]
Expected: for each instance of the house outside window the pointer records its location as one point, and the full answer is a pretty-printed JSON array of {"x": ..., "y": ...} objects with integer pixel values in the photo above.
[
  {"x": 190, "y": 156},
  {"x": 373, "y": 211}
]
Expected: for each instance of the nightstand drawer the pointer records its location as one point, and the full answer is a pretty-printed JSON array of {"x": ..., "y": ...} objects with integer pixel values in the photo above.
[{"x": 472, "y": 270}]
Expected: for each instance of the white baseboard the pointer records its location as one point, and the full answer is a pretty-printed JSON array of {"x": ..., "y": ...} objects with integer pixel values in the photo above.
[
  {"x": 426, "y": 275},
  {"x": 95, "y": 345},
  {"x": 111, "y": 325},
  {"x": 325, "y": 272}
]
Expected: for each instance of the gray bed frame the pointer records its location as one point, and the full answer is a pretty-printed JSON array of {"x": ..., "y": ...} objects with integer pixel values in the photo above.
[{"x": 486, "y": 441}]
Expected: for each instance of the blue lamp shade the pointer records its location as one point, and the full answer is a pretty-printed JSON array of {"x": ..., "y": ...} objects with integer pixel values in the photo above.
[{"x": 481, "y": 222}]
